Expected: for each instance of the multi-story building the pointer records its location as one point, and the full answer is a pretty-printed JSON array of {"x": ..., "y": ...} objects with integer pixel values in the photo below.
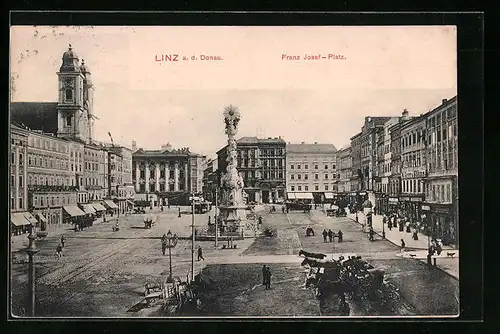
[
  {"x": 19, "y": 180},
  {"x": 261, "y": 162},
  {"x": 357, "y": 175},
  {"x": 395, "y": 150},
  {"x": 311, "y": 171},
  {"x": 166, "y": 175},
  {"x": 210, "y": 179},
  {"x": 344, "y": 167},
  {"x": 441, "y": 184},
  {"x": 412, "y": 167},
  {"x": 384, "y": 160},
  {"x": 66, "y": 167}
]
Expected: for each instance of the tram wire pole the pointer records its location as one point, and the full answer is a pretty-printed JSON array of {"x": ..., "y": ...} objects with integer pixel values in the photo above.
[
  {"x": 216, "y": 222},
  {"x": 193, "y": 240}
]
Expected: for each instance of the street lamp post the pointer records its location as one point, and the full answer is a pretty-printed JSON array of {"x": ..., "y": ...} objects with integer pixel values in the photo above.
[
  {"x": 169, "y": 237},
  {"x": 216, "y": 222},
  {"x": 32, "y": 250},
  {"x": 193, "y": 239}
]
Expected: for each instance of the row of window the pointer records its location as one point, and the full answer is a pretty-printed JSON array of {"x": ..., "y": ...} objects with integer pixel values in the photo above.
[
  {"x": 410, "y": 139},
  {"x": 57, "y": 200},
  {"x": 306, "y": 176},
  {"x": 35, "y": 179},
  {"x": 444, "y": 116},
  {"x": 299, "y": 187},
  {"x": 162, "y": 187},
  {"x": 292, "y": 166},
  {"x": 414, "y": 159},
  {"x": 440, "y": 193},
  {"x": 46, "y": 144},
  {"x": 412, "y": 186},
  {"x": 37, "y": 160},
  {"x": 13, "y": 204}
]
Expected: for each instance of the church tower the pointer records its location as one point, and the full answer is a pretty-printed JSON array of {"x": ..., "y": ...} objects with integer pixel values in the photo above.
[
  {"x": 72, "y": 116},
  {"x": 88, "y": 99}
]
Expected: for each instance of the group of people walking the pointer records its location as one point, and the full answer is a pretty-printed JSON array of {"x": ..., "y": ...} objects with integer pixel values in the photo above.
[
  {"x": 59, "y": 248},
  {"x": 330, "y": 235}
]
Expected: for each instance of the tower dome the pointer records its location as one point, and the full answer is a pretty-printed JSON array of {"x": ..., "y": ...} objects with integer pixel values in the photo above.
[
  {"x": 86, "y": 72},
  {"x": 70, "y": 61}
]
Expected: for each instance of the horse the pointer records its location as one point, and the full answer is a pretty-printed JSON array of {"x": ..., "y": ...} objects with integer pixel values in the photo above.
[
  {"x": 319, "y": 264},
  {"x": 312, "y": 255}
]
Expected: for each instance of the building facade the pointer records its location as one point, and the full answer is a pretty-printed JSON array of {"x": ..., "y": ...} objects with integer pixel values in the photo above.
[
  {"x": 311, "y": 168},
  {"x": 357, "y": 175},
  {"x": 165, "y": 175},
  {"x": 261, "y": 162},
  {"x": 65, "y": 166},
  {"x": 344, "y": 167},
  {"x": 210, "y": 179},
  {"x": 412, "y": 167},
  {"x": 441, "y": 182},
  {"x": 18, "y": 162}
]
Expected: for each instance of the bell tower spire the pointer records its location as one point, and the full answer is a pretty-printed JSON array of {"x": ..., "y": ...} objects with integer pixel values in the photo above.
[{"x": 72, "y": 116}]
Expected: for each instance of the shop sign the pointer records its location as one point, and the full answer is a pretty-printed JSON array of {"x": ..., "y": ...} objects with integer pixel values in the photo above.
[
  {"x": 416, "y": 199},
  {"x": 403, "y": 199},
  {"x": 393, "y": 199},
  {"x": 426, "y": 207}
]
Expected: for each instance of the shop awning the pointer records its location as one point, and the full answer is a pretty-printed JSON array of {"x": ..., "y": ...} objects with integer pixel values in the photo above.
[
  {"x": 98, "y": 207},
  {"x": 42, "y": 217},
  {"x": 73, "y": 211},
  {"x": 87, "y": 208},
  {"x": 130, "y": 202},
  {"x": 110, "y": 204},
  {"x": 329, "y": 195},
  {"x": 30, "y": 218},
  {"x": 301, "y": 196},
  {"x": 291, "y": 195},
  {"x": 18, "y": 219}
]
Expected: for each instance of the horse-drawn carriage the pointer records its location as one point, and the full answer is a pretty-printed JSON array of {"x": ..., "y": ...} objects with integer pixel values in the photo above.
[
  {"x": 353, "y": 276},
  {"x": 298, "y": 206}
]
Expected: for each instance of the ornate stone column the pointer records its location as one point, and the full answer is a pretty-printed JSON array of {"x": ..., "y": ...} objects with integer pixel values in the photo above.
[
  {"x": 157, "y": 177},
  {"x": 147, "y": 176},
  {"x": 137, "y": 176},
  {"x": 186, "y": 178},
  {"x": 176, "y": 176},
  {"x": 167, "y": 177}
]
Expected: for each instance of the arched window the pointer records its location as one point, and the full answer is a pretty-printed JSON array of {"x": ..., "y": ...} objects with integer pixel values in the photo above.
[{"x": 69, "y": 94}]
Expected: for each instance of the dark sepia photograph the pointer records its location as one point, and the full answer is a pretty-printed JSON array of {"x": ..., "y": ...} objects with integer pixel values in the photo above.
[{"x": 233, "y": 171}]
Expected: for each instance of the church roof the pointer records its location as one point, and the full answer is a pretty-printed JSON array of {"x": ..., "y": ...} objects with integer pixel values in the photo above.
[{"x": 35, "y": 115}]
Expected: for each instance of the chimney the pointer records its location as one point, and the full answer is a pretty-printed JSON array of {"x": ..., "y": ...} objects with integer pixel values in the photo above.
[
  {"x": 303, "y": 143},
  {"x": 444, "y": 101},
  {"x": 315, "y": 142},
  {"x": 167, "y": 146},
  {"x": 134, "y": 145}
]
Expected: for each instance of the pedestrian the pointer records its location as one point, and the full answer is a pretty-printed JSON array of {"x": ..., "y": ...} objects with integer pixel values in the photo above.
[
  {"x": 330, "y": 235},
  {"x": 63, "y": 240},
  {"x": 403, "y": 245},
  {"x": 260, "y": 220},
  {"x": 372, "y": 233},
  {"x": 340, "y": 235},
  {"x": 264, "y": 275},
  {"x": 389, "y": 223},
  {"x": 325, "y": 234},
  {"x": 200, "y": 253},
  {"x": 59, "y": 250},
  {"x": 283, "y": 209},
  {"x": 268, "y": 278}
]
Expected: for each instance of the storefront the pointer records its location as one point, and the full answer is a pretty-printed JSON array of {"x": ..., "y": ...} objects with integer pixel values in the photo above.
[
  {"x": 381, "y": 203},
  {"x": 20, "y": 224},
  {"x": 73, "y": 215},
  {"x": 43, "y": 221},
  {"x": 441, "y": 222},
  {"x": 100, "y": 210},
  {"x": 90, "y": 214},
  {"x": 411, "y": 207},
  {"x": 111, "y": 207},
  {"x": 393, "y": 204}
]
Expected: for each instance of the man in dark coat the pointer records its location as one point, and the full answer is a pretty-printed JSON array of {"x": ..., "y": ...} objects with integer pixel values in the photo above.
[
  {"x": 264, "y": 275},
  {"x": 330, "y": 235},
  {"x": 200, "y": 253},
  {"x": 268, "y": 278},
  {"x": 372, "y": 233},
  {"x": 340, "y": 235},
  {"x": 63, "y": 240},
  {"x": 325, "y": 234}
]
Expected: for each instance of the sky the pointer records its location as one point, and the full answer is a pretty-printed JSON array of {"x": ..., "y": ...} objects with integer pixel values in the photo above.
[{"x": 372, "y": 71}]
